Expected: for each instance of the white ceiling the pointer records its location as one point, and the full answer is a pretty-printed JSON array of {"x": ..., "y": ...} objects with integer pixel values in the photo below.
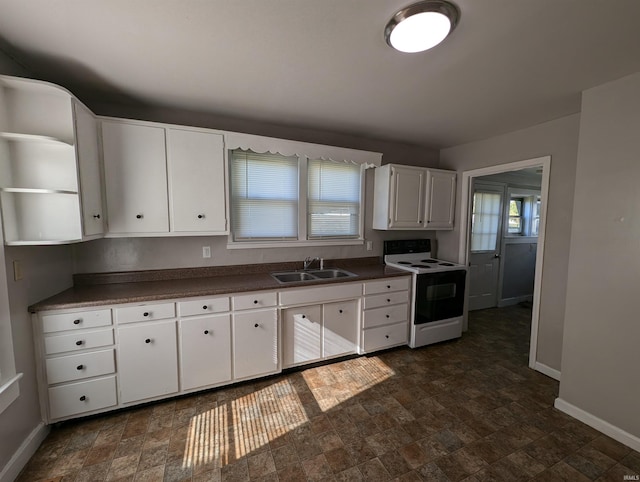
[{"x": 324, "y": 64}]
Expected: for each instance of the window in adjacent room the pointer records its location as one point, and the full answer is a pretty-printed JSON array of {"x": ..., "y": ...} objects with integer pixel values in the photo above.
[{"x": 516, "y": 215}]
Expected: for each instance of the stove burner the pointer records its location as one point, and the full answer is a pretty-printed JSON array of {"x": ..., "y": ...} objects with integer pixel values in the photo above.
[
  {"x": 446, "y": 264},
  {"x": 404, "y": 262},
  {"x": 420, "y": 266},
  {"x": 428, "y": 261}
]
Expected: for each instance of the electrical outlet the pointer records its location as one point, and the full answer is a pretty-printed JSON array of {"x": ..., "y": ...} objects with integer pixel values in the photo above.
[
  {"x": 369, "y": 245},
  {"x": 206, "y": 251},
  {"x": 17, "y": 270}
]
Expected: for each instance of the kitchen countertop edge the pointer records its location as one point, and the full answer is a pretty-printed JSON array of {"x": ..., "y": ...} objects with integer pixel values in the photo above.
[{"x": 145, "y": 291}]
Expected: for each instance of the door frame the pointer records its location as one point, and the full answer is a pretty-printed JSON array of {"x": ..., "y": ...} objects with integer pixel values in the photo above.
[{"x": 463, "y": 250}]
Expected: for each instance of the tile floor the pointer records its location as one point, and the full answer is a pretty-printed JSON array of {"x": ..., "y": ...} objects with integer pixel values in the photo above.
[{"x": 463, "y": 410}]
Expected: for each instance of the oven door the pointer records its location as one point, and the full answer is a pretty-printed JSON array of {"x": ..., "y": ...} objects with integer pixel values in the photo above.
[{"x": 439, "y": 296}]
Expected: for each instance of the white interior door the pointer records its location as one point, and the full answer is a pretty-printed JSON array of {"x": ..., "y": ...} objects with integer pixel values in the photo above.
[{"x": 485, "y": 242}]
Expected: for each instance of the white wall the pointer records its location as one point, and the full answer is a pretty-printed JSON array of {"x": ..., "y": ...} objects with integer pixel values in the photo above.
[
  {"x": 558, "y": 138},
  {"x": 601, "y": 349}
]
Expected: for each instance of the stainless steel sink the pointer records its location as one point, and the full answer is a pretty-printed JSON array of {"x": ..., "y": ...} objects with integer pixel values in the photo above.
[
  {"x": 314, "y": 275},
  {"x": 331, "y": 273}
]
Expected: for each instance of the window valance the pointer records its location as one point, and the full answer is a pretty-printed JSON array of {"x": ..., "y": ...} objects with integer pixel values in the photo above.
[{"x": 262, "y": 145}]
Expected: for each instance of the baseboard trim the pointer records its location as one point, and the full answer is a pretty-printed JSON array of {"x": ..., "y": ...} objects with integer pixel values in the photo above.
[
  {"x": 606, "y": 428},
  {"x": 11, "y": 471},
  {"x": 547, "y": 370},
  {"x": 514, "y": 301}
]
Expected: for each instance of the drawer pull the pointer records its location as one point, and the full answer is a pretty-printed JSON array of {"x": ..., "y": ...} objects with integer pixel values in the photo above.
[
  {"x": 83, "y": 398},
  {"x": 96, "y": 216},
  {"x": 388, "y": 287},
  {"x": 77, "y": 322},
  {"x": 339, "y": 311},
  {"x": 139, "y": 216},
  {"x": 200, "y": 216},
  {"x": 206, "y": 332},
  {"x": 304, "y": 316},
  {"x": 255, "y": 302},
  {"x": 148, "y": 340},
  {"x": 386, "y": 336},
  {"x": 388, "y": 316},
  {"x": 388, "y": 300},
  {"x": 146, "y": 313},
  {"x": 205, "y": 307},
  {"x": 256, "y": 325},
  {"x": 79, "y": 342},
  {"x": 80, "y": 367}
]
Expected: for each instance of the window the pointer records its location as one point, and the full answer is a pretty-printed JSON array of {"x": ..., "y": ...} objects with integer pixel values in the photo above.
[
  {"x": 535, "y": 218},
  {"x": 515, "y": 215},
  {"x": 333, "y": 199},
  {"x": 485, "y": 221},
  {"x": 275, "y": 198}
]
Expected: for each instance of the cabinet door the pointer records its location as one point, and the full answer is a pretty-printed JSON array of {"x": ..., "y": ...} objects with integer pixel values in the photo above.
[
  {"x": 440, "y": 201},
  {"x": 407, "y": 197},
  {"x": 136, "y": 178},
  {"x": 147, "y": 360},
  {"x": 205, "y": 351},
  {"x": 255, "y": 343},
  {"x": 196, "y": 181},
  {"x": 90, "y": 176},
  {"x": 301, "y": 335},
  {"x": 340, "y": 328}
]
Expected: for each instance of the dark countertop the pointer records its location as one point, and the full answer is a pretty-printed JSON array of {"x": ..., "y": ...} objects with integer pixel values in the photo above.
[{"x": 107, "y": 289}]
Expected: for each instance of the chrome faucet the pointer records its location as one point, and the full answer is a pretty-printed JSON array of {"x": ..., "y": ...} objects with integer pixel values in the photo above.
[{"x": 308, "y": 261}]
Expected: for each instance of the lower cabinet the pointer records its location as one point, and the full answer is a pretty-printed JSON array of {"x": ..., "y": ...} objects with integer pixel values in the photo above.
[
  {"x": 205, "y": 351},
  {"x": 255, "y": 343},
  {"x": 147, "y": 360},
  {"x": 302, "y": 335},
  {"x": 340, "y": 328}
]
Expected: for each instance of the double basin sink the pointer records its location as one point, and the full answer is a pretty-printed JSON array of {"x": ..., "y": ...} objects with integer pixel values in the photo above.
[{"x": 311, "y": 275}]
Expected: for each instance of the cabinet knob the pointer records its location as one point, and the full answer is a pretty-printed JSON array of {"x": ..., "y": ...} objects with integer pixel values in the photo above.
[
  {"x": 255, "y": 302},
  {"x": 339, "y": 311},
  {"x": 421, "y": 221},
  {"x": 200, "y": 216},
  {"x": 96, "y": 216},
  {"x": 388, "y": 287},
  {"x": 388, "y": 316},
  {"x": 79, "y": 342},
  {"x": 256, "y": 325},
  {"x": 146, "y": 313},
  {"x": 139, "y": 216},
  {"x": 83, "y": 398},
  {"x": 76, "y": 322},
  {"x": 206, "y": 332},
  {"x": 204, "y": 307},
  {"x": 148, "y": 340},
  {"x": 386, "y": 336},
  {"x": 304, "y": 316},
  {"x": 388, "y": 300},
  {"x": 80, "y": 367}
]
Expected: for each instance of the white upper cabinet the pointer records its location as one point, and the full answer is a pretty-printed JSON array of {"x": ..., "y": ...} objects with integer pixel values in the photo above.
[
  {"x": 135, "y": 167},
  {"x": 412, "y": 198},
  {"x": 439, "y": 204},
  {"x": 196, "y": 169},
  {"x": 50, "y": 183},
  {"x": 88, "y": 154}
]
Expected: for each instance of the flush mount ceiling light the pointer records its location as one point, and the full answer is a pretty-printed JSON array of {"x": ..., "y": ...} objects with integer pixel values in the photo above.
[{"x": 421, "y": 26}]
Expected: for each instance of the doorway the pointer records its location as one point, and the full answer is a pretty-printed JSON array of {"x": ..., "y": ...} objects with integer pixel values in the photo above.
[{"x": 464, "y": 253}]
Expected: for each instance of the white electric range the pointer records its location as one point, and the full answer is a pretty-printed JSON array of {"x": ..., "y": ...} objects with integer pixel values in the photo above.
[{"x": 438, "y": 291}]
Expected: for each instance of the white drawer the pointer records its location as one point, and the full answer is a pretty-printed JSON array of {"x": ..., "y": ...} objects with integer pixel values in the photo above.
[
  {"x": 386, "y": 299},
  {"x": 255, "y": 300},
  {"x": 384, "y": 337},
  {"x": 320, "y": 294},
  {"x": 84, "y": 365},
  {"x": 77, "y": 341},
  {"x": 76, "y": 398},
  {"x": 75, "y": 321},
  {"x": 130, "y": 314},
  {"x": 386, "y": 285},
  {"x": 203, "y": 306},
  {"x": 385, "y": 315}
]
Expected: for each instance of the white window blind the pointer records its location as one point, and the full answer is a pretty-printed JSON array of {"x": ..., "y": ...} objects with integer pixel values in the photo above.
[
  {"x": 333, "y": 204},
  {"x": 485, "y": 221},
  {"x": 264, "y": 196}
]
